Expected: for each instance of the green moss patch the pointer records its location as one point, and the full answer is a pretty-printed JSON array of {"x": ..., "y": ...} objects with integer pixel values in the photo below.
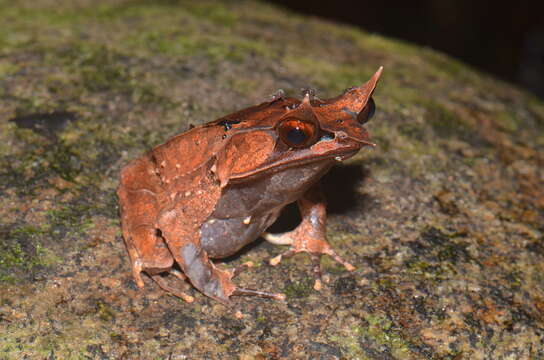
[
  {"x": 300, "y": 289},
  {"x": 21, "y": 251}
]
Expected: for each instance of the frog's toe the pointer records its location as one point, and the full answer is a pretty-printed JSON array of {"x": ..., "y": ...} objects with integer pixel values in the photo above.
[
  {"x": 277, "y": 259},
  {"x": 316, "y": 257},
  {"x": 339, "y": 260},
  {"x": 250, "y": 292},
  {"x": 316, "y": 262},
  {"x": 174, "y": 290},
  {"x": 278, "y": 239}
]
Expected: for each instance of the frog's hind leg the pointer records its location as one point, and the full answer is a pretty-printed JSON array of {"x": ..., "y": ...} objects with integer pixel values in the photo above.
[
  {"x": 138, "y": 204},
  {"x": 184, "y": 244},
  {"x": 309, "y": 236},
  {"x": 182, "y": 235},
  {"x": 148, "y": 253}
]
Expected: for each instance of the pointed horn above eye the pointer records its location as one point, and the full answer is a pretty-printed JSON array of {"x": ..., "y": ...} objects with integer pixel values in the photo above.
[
  {"x": 374, "y": 79},
  {"x": 354, "y": 100},
  {"x": 364, "y": 92},
  {"x": 377, "y": 75}
]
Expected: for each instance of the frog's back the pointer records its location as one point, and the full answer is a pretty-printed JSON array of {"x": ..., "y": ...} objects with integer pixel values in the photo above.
[{"x": 187, "y": 151}]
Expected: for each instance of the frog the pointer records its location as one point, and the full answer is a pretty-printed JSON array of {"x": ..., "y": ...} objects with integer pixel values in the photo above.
[{"x": 208, "y": 192}]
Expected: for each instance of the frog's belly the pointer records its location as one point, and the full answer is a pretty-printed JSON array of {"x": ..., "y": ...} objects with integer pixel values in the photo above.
[
  {"x": 246, "y": 209},
  {"x": 269, "y": 193},
  {"x": 224, "y": 237}
]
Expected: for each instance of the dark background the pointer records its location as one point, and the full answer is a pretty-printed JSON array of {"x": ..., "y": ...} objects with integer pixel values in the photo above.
[{"x": 503, "y": 38}]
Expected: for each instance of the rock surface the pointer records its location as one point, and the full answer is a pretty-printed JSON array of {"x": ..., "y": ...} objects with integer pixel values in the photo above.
[{"x": 444, "y": 219}]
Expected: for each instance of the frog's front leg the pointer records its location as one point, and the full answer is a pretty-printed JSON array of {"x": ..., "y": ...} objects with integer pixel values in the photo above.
[{"x": 310, "y": 235}]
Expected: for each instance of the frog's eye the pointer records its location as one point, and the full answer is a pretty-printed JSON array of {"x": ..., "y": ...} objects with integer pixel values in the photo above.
[
  {"x": 368, "y": 112},
  {"x": 296, "y": 133}
]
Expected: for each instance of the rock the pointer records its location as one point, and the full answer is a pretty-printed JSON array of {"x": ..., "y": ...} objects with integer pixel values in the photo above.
[{"x": 443, "y": 220}]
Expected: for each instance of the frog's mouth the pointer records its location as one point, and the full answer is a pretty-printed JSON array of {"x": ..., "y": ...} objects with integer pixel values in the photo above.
[{"x": 327, "y": 150}]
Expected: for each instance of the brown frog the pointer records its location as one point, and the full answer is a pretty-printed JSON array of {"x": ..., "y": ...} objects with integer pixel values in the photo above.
[{"x": 206, "y": 193}]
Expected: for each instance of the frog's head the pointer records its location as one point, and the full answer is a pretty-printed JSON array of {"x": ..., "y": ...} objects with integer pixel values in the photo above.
[
  {"x": 333, "y": 126},
  {"x": 287, "y": 132}
]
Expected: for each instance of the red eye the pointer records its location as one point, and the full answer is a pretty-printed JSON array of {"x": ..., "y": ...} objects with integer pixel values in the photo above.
[{"x": 296, "y": 133}]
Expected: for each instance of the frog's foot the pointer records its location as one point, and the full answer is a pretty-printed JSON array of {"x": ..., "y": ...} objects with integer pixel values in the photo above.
[
  {"x": 174, "y": 290},
  {"x": 302, "y": 241}
]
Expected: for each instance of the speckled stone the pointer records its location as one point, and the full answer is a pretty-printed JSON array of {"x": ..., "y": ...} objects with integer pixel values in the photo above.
[{"x": 444, "y": 219}]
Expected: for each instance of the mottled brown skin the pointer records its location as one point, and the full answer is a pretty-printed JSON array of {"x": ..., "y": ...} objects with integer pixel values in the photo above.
[{"x": 211, "y": 190}]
